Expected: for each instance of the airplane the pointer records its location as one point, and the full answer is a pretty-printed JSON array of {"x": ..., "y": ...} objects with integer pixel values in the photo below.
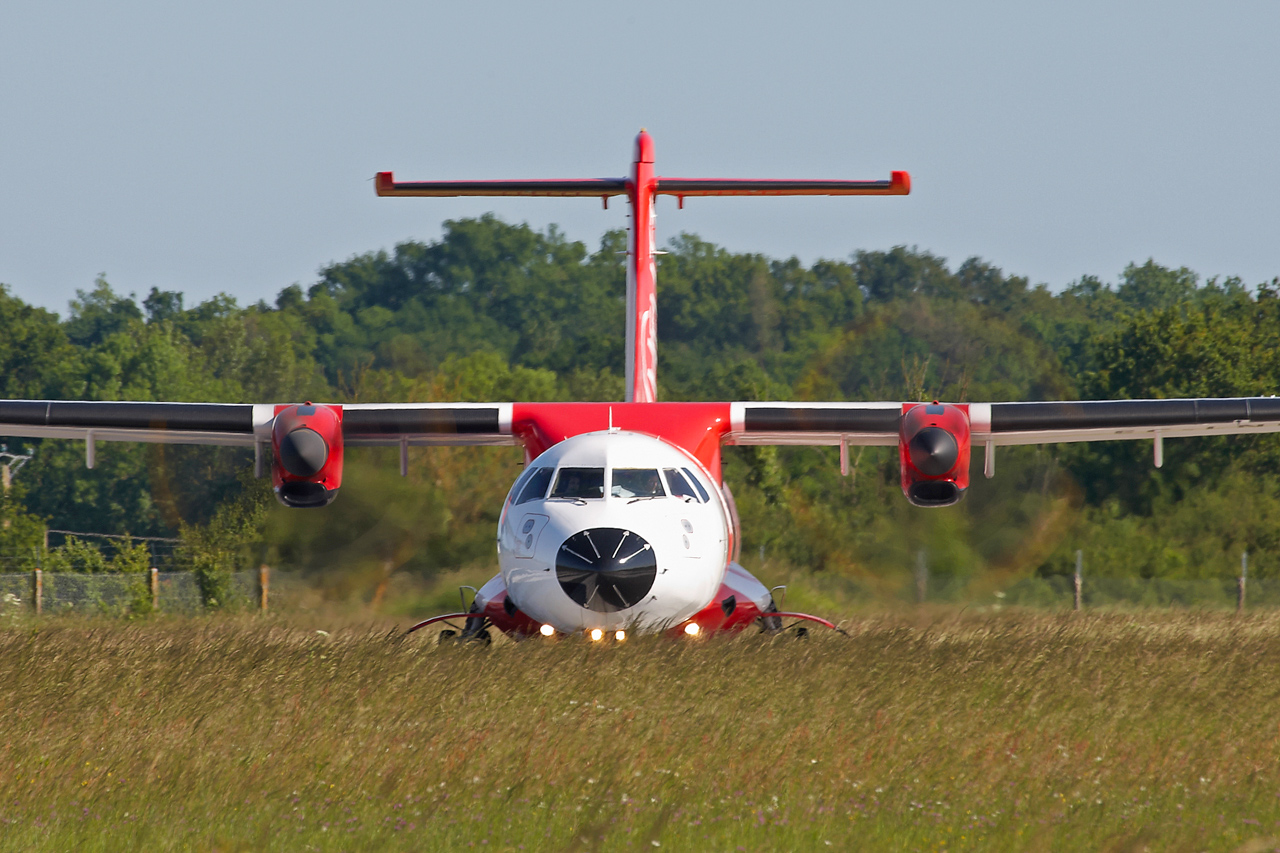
[{"x": 620, "y": 521}]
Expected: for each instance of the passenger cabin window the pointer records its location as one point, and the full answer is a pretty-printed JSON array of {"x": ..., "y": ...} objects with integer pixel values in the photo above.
[
  {"x": 636, "y": 483},
  {"x": 579, "y": 483},
  {"x": 679, "y": 485},
  {"x": 536, "y": 486}
]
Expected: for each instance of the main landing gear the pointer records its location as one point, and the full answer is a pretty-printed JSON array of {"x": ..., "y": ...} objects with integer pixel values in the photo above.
[
  {"x": 474, "y": 630},
  {"x": 770, "y": 622}
]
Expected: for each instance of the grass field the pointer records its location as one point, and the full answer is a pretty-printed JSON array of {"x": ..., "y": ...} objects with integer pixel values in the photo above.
[{"x": 931, "y": 730}]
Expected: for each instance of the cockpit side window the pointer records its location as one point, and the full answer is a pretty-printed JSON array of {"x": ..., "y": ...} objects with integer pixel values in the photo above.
[
  {"x": 636, "y": 483},
  {"x": 579, "y": 483},
  {"x": 518, "y": 486},
  {"x": 706, "y": 498},
  {"x": 536, "y": 486},
  {"x": 680, "y": 487}
]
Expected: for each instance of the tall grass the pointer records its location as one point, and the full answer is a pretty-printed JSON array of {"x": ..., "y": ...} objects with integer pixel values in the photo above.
[{"x": 926, "y": 730}]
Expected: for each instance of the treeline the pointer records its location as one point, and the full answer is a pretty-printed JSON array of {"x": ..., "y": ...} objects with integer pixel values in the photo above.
[{"x": 495, "y": 311}]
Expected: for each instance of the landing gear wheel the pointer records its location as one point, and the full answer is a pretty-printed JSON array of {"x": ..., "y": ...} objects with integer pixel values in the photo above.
[
  {"x": 802, "y": 633},
  {"x": 482, "y": 637},
  {"x": 447, "y": 636}
]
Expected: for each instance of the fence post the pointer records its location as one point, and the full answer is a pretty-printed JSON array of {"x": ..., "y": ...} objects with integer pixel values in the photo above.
[
  {"x": 155, "y": 588},
  {"x": 1240, "y": 581},
  {"x": 922, "y": 577},
  {"x": 264, "y": 584},
  {"x": 1079, "y": 578},
  {"x": 37, "y": 590}
]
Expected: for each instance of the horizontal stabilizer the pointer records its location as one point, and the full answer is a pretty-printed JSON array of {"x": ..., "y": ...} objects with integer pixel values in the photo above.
[
  {"x": 899, "y": 183},
  {"x": 387, "y": 185}
]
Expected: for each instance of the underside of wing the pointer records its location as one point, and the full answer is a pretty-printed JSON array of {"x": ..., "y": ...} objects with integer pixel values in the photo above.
[
  {"x": 877, "y": 423},
  {"x": 935, "y": 439},
  {"x": 1108, "y": 420},
  {"x": 163, "y": 423}
]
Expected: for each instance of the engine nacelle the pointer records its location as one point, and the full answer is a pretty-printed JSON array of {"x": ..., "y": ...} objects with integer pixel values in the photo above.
[
  {"x": 306, "y": 444},
  {"x": 933, "y": 449}
]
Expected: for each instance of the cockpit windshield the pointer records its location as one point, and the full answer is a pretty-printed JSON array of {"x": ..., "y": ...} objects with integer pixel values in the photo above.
[
  {"x": 579, "y": 483},
  {"x": 636, "y": 483},
  {"x": 697, "y": 484},
  {"x": 536, "y": 486},
  {"x": 679, "y": 485}
]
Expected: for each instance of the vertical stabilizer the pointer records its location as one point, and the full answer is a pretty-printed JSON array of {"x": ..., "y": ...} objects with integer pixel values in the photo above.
[{"x": 642, "y": 278}]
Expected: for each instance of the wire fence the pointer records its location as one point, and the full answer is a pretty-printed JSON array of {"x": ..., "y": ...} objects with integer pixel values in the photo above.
[
  {"x": 118, "y": 594},
  {"x": 160, "y": 548},
  {"x": 115, "y": 593},
  {"x": 1065, "y": 592},
  {"x": 1060, "y": 591},
  {"x": 162, "y": 552}
]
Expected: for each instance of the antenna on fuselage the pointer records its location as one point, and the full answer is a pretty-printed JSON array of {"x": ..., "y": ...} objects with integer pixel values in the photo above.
[{"x": 641, "y": 188}]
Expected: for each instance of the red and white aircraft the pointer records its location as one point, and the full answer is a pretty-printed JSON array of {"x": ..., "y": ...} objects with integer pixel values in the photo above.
[{"x": 620, "y": 521}]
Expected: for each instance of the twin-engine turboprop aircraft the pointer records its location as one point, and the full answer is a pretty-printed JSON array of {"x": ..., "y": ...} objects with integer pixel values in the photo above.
[{"x": 620, "y": 521}]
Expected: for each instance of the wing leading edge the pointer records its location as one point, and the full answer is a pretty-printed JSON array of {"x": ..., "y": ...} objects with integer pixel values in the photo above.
[
  {"x": 235, "y": 424},
  {"x": 1005, "y": 424}
]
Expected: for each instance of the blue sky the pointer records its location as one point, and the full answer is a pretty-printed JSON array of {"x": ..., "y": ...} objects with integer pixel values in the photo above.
[{"x": 229, "y": 147}]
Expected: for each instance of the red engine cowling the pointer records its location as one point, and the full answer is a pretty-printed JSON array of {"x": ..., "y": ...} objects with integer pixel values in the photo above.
[
  {"x": 306, "y": 444},
  {"x": 933, "y": 449}
]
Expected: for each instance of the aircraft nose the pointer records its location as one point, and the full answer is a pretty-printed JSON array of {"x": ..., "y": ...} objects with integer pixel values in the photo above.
[{"x": 606, "y": 569}]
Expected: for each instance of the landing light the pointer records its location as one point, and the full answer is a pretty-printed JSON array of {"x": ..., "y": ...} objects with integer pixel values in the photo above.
[
  {"x": 619, "y": 635},
  {"x": 692, "y": 629},
  {"x": 546, "y": 631},
  {"x": 596, "y": 635}
]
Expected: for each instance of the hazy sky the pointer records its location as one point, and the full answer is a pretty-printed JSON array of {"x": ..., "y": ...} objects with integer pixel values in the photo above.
[{"x": 230, "y": 146}]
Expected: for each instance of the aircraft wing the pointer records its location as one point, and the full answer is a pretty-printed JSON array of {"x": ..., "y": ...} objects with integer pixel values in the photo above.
[
  {"x": 814, "y": 423},
  {"x": 235, "y": 424},
  {"x": 1007, "y": 423},
  {"x": 858, "y": 423}
]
